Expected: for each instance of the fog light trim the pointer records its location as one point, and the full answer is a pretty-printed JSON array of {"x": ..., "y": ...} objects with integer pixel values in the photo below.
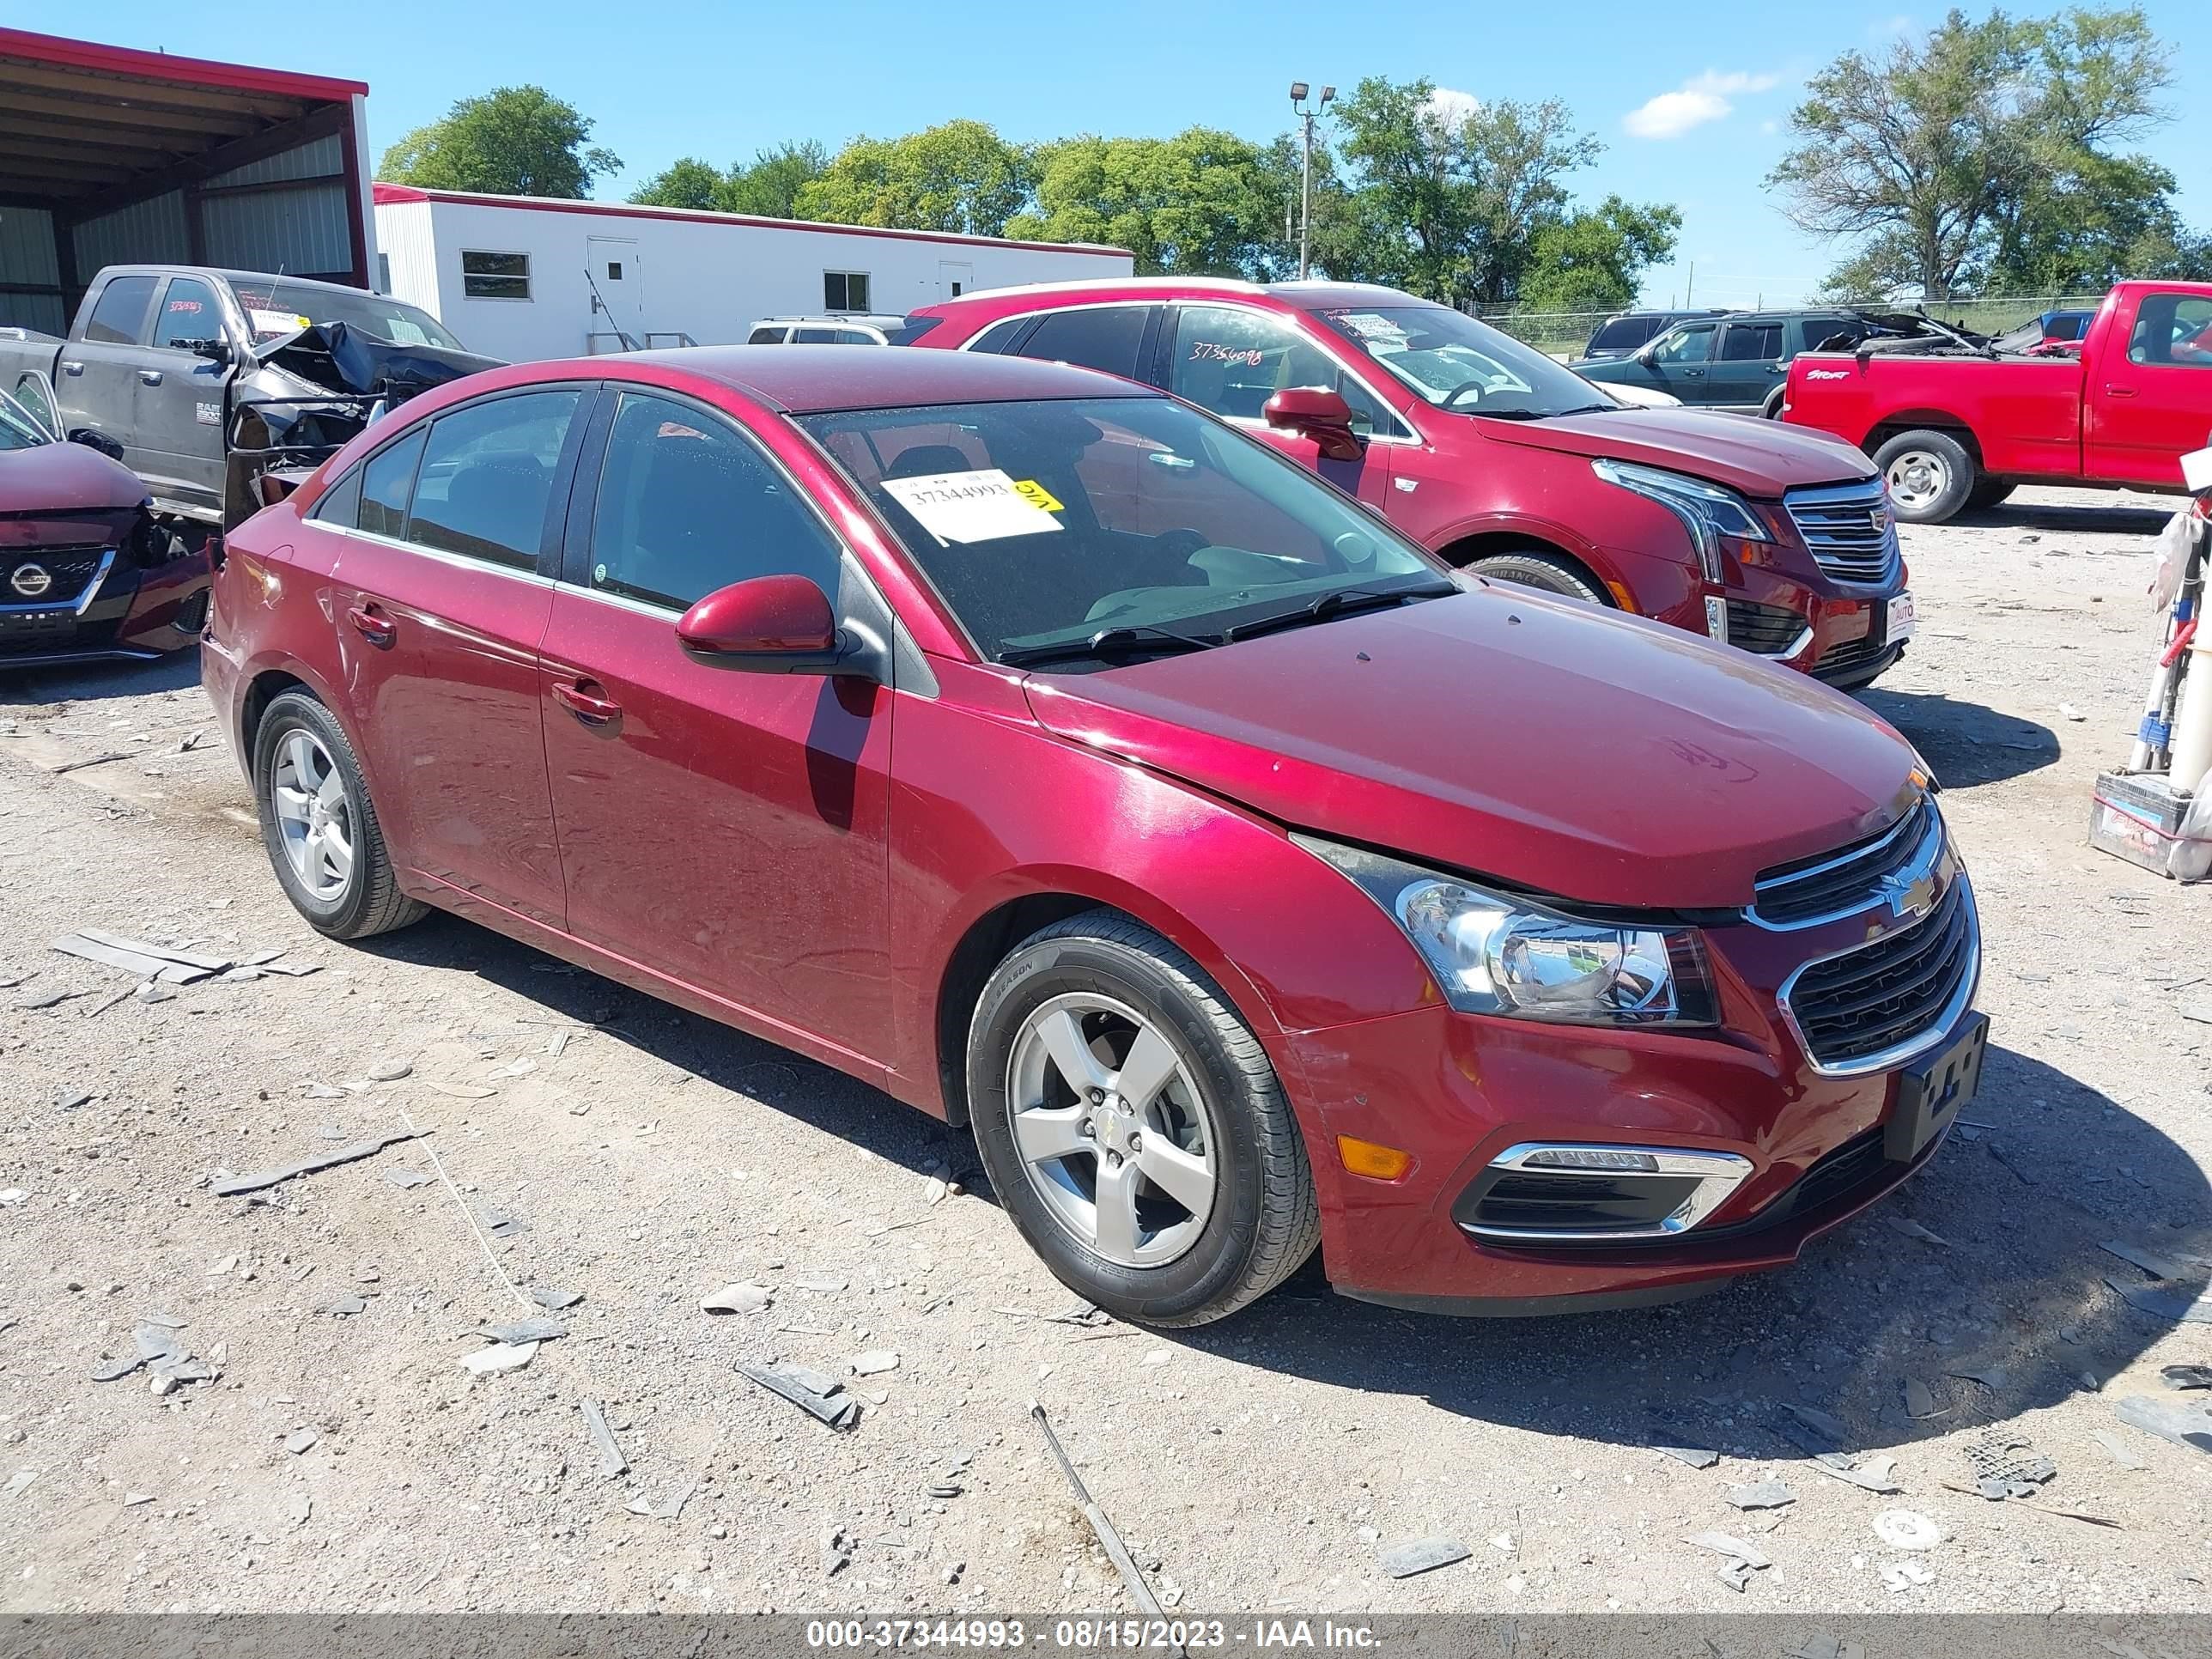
[{"x": 1716, "y": 1175}]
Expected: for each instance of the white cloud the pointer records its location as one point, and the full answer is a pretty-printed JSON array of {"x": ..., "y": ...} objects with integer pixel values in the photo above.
[
  {"x": 1446, "y": 111},
  {"x": 1704, "y": 98}
]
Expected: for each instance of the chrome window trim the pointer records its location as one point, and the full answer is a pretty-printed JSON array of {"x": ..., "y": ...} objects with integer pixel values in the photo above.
[
  {"x": 1898, "y": 1054},
  {"x": 457, "y": 561},
  {"x": 1927, "y": 859},
  {"x": 1719, "y": 1173},
  {"x": 82, "y": 603}
]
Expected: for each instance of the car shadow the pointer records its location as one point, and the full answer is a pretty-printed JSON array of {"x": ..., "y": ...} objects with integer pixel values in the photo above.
[
  {"x": 2118, "y": 520},
  {"x": 92, "y": 681},
  {"x": 2012, "y": 1288},
  {"x": 1968, "y": 744}
]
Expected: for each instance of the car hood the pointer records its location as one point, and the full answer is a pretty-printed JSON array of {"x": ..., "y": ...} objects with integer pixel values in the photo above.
[
  {"x": 1546, "y": 744},
  {"x": 1756, "y": 457},
  {"x": 65, "y": 478}
]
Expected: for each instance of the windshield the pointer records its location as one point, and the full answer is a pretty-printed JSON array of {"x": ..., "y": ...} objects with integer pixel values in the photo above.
[
  {"x": 1046, "y": 526},
  {"x": 1626, "y": 333},
  {"x": 275, "y": 309},
  {"x": 1457, "y": 363},
  {"x": 16, "y": 432}
]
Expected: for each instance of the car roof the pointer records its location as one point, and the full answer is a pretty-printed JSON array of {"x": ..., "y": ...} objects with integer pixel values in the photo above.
[
  {"x": 806, "y": 379},
  {"x": 1301, "y": 295}
]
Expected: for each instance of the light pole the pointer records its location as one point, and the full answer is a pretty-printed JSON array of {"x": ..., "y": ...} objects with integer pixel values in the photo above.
[{"x": 1305, "y": 167}]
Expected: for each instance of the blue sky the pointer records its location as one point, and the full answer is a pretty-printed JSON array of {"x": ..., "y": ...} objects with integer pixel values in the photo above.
[{"x": 1695, "y": 113}]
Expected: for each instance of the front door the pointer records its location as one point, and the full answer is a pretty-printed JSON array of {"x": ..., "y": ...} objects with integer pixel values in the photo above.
[
  {"x": 618, "y": 294},
  {"x": 440, "y": 607},
  {"x": 1680, "y": 359},
  {"x": 180, "y": 406},
  {"x": 1231, "y": 360},
  {"x": 725, "y": 828},
  {"x": 2149, "y": 398}
]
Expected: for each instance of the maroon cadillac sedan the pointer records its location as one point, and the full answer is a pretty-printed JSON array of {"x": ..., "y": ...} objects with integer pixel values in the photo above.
[{"x": 1069, "y": 765}]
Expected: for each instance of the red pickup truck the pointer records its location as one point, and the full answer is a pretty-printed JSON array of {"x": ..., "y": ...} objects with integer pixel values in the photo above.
[{"x": 1954, "y": 425}]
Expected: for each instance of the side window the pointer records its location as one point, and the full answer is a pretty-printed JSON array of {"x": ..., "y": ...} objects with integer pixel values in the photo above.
[
  {"x": 1231, "y": 361},
  {"x": 1752, "y": 343},
  {"x": 1686, "y": 345},
  {"x": 765, "y": 337},
  {"x": 2173, "y": 330},
  {"x": 487, "y": 475},
  {"x": 341, "y": 505},
  {"x": 387, "y": 483},
  {"x": 998, "y": 336},
  {"x": 120, "y": 316},
  {"x": 814, "y": 336},
  {"x": 36, "y": 394},
  {"x": 190, "y": 316},
  {"x": 686, "y": 506},
  {"x": 1105, "y": 338}
]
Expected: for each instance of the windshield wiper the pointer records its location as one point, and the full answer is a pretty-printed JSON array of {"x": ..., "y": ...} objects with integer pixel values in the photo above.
[
  {"x": 1112, "y": 642},
  {"x": 1337, "y": 603}
]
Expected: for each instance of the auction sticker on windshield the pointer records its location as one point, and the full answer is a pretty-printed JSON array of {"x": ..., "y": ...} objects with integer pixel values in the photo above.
[
  {"x": 1369, "y": 326},
  {"x": 982, "y": 506}
]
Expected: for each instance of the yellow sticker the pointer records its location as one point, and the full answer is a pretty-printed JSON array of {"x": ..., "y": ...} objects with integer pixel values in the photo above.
[{"x": 1037, "y": 496}]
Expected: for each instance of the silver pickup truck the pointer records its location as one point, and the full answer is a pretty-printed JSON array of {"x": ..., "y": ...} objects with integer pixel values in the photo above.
[{"x": 161, "y": 360}]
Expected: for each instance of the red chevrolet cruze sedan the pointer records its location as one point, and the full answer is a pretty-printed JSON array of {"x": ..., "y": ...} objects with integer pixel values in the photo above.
[{"x": 1066, "y": 763}]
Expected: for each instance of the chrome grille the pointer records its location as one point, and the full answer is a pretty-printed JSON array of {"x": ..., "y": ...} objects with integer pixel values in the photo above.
[
  {"x": 1873, "y": 1008},
  {"x": 1827, "y": 885},
  {"x": 70, "y": 571},
  {"x": 1849, "y": 529}
]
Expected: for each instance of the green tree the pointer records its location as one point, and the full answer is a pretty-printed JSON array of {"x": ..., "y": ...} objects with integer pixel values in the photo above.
[
  {"x": 1593, "y": 260},
  {"x": 687, "y": 182},
  {"x": 772, "y": 185},
  {"x": 1203, "y": 201},
  {"x": 1984, "y": 154},
  {"x": 959, "y": 176},
  {"x": 512, "y": 141}
]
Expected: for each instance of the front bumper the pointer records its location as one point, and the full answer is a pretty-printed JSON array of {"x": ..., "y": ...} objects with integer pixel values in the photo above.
[
  {"x": 126, "y": 612},
  {"x": 1459, "y": 1090}
]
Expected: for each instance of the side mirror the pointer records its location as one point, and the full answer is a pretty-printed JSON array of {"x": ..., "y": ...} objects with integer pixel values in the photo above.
[
  {"x": 94, "y": 438},
  {"x": 766, "y": 625},
  {"x": 216, "y": 351},
  {"x": 1315, "y": 412}
]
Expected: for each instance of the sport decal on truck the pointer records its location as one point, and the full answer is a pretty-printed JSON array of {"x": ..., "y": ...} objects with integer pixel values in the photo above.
[{"x": 1828, "y": 374}]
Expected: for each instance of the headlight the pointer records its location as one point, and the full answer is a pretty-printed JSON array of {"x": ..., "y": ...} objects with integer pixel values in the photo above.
[
  {"x": 1496, "y": 954},
  {"x": 1707, "y": 511}
]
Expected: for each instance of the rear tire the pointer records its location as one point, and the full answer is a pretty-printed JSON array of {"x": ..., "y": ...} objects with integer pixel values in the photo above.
[
  {"x": 1546, "y": 571},
  {"x": 1771, "y": 410},
  {"x": 1930, "y": 476},
  {"x": 1236, "y": 1214},
  {"x": 320, "y": 826}
]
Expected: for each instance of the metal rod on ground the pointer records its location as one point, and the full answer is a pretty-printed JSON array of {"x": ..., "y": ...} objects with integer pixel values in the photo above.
[{"x": 1116, "y": 1551}]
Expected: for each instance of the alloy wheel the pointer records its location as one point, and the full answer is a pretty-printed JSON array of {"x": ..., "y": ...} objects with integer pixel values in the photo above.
[
  {"x": 1114, "y": 1134},
  {"x": 314, "y": 816},
  {"x": 1918, "y": 478}
]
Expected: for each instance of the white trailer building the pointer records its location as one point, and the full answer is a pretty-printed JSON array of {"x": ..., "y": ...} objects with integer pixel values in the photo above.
[{"x": 526, "y": 278}]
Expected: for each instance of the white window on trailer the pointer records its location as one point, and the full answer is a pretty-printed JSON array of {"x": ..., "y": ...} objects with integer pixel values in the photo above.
[
  {"x": 488, "y": 276},
  {"x": 844, "y": 290}
]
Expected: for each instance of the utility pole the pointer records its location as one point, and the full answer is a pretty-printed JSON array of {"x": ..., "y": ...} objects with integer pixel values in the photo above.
[{"x": 1305, "y": 168}]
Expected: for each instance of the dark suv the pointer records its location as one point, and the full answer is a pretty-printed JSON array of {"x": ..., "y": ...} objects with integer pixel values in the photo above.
[
  {"x": 1620, "y": 335},
  {"x": 1738, "y": 361}
]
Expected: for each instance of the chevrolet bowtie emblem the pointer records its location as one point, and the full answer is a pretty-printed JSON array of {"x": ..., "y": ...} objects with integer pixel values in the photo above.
[{"x": 1913, "y": 898}]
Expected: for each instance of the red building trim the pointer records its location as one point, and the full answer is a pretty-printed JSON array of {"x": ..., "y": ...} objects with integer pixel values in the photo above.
[{"x": 163, "y": 66}]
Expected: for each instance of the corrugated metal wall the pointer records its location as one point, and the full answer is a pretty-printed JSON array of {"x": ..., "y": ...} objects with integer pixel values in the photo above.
[
  {"x": 310, "y": 161},
  {"x": 406, "y": 231},
  {"x": 28, "y": 257},
  {"x": 151, "y": 232},
  {"x": 303, "y": 231}
]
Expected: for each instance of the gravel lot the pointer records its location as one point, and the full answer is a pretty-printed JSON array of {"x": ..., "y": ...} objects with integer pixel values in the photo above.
[{"x": 646, "y": 1159}]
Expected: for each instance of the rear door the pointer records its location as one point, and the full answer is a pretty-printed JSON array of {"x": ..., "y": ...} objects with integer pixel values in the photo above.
[
  {"x": 1231, "y": 360},
  {"x": 96, "y": 378},
  {"x": 1750, "y": 365},
  {"x": 2149, "y": 391},
  {"x": 444, "y": 586},
  {"x": 180, "y": 393},
  {"x": 724, "y": 829}
]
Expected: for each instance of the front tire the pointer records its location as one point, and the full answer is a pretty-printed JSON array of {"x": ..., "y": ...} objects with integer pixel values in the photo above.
[
  {"x": 1991, "y": 492},
  {"x": 1133, "y": 1127},
  {"x": 319, "y": 825},
  {"x": 1930, "y": 476},
  {"x": 1546, "y": 572}
]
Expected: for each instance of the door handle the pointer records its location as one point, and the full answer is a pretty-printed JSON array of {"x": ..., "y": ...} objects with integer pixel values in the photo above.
[
  {"x": 2119, "y": 392},
  {"x": 72, "y": 369},
  {"x": 150, "y": 377},
  {"x": 371, "y": 624},
  {"x": 586, "y": 706},
  {"x": 1693, "y": 374}
]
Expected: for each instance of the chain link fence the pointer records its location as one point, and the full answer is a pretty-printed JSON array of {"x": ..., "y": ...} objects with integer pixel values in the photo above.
[{"x": 1563, "y": 333}]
